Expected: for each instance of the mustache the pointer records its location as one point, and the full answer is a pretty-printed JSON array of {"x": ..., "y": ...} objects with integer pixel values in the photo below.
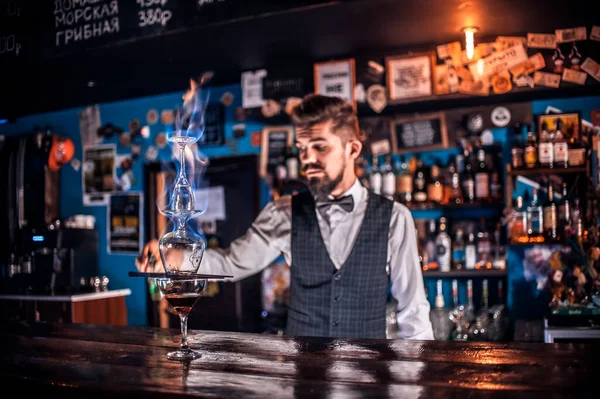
[{"x": 312, "y": 166}]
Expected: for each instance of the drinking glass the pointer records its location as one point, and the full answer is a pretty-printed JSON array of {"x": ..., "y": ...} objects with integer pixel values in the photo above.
[{"x": 182, "y": 294}]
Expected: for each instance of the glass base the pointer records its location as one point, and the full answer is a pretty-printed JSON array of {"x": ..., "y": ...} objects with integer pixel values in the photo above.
[{"x": 183, "y": 354}]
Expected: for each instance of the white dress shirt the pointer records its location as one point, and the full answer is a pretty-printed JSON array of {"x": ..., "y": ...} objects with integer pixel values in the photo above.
[{"x": 269, "y": 237}]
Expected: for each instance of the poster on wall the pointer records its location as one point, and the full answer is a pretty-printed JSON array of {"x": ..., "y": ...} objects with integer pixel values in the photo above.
[
  {"x": 410, "y": 76},
  {"x": 124, "y": 223},
  {"x": 336, "y": 78},
  {"x": 89, "y": 123},
  {"x": 98, "y": 177}
]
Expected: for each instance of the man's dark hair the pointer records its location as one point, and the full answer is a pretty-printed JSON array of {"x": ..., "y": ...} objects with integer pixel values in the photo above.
[{"x": 316, "y": 108}]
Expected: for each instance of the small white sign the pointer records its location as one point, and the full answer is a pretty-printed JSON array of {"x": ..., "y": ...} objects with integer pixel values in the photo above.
[
  {"x": 499, "y": 61},
  {"x": 335, "y": 79},
  {"x": 380, "y": 147},
  {"x": 213, "y": 200},
  {"x": 252, "y": 83}
]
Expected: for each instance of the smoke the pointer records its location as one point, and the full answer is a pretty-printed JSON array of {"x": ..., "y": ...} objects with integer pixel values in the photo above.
[{"x": 180, "y": 182}]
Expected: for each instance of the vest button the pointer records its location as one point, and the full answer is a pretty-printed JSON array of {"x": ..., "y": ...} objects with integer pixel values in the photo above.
[
  {"x": 335, "y": 323},
  {"x": 337, "y": 277},
  {"x": 336, "y": 298}
]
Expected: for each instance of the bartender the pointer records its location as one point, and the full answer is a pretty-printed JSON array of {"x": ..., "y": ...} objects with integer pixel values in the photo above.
[{"x": 344, "y": 244}]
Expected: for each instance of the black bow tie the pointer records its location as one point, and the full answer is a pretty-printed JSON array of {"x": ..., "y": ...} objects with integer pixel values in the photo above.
[{"x": 346, "y": 203}]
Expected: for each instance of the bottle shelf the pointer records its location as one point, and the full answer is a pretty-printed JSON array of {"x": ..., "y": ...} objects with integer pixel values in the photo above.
[
  {"x": 464, "y": 273},
  {"x": 466, "y": 205},
  {"x": 532, "y": 243},
  {"x": 544, "y": 171}
]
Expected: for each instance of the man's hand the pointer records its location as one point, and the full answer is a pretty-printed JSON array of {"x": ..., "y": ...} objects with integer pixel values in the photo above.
[{"x": 149, "y": 260}]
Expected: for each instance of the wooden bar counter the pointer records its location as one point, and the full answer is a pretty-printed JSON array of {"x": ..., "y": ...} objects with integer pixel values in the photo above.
[{"x": 78, "y": 360}]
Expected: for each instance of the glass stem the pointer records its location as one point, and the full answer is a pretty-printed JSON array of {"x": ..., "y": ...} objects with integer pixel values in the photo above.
[
  {"x": 182, "y": 160},
  {"x": 184, "y": 344}
]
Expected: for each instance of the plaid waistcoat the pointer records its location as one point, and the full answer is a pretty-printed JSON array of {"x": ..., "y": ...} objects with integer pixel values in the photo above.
[{"x": 345, "y": 303}]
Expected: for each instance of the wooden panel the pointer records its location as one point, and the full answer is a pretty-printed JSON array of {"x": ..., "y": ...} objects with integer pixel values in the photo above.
[
  {"x": 82, "y": 358},
  {"x": 112, "y": 311}
]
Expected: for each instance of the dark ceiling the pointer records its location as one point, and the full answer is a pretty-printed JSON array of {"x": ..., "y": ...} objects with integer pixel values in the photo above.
[{"x": 290, "y": 40}]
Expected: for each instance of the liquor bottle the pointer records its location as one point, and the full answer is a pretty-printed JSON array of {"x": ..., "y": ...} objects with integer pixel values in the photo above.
[
  {"x": 439, "y": 315},
  {"x": 470, "y": 308},
  {"x": 443, "y": 246},
  {"x": 470, "y": 253},
  {"x": 462, "y": 158},
  {"x": 517, "y": 151},
  {"x": 551, "y": 216},
  {"x": 496, "y": 187},
  {"x": 435, "y": 188},
  {"x": 561, "y": 148},
  {"x": 534, "y": 217},
  {"x": 545, "y": 149},
  {"x": 531, "y": 151},
  {"x": 455, "y": 293},
  {"x": 281, "y": 175},
  {"x": 469, "y": 183},
  {"x": 431, "y": 246},
  {"x": 404, "y": 183},
  {"x": 564, "y": 212},
  {"x": 499, "y": 260},
  {"x": 484, "y": 250},
  {"x": 458, "y": 251},
  {"x": 455, "y": 192},
  {"x": 291, "y": 162},
  {"x": 518, "y": 222},
  {"x": 420, "y": 182},
  {"x": 375, "y": 178},
  {"x": 485, "y": 301},
  {"x": 577, "y": 150},
  {"x": 576, "y": 211},
  {"x": 479, "y": 330},
  {"x": 482, "y": 178},
  {"x": 388, "y": 179},
  {"x": 500, "y": 300}
]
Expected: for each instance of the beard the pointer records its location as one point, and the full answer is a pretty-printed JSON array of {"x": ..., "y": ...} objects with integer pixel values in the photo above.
[{"x": 323, "y": 186}]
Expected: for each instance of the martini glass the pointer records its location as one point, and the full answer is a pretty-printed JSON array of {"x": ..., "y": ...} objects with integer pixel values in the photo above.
[{"x": 182, "y": 294}]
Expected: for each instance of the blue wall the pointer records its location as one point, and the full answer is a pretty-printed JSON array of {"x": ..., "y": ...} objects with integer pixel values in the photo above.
[
  {"x": 523, "y": 297},
  {"x": 66, "y": 123},
  {"x": 116, "y": 267}
]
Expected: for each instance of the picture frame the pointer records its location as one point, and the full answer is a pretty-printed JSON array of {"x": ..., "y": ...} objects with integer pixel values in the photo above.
[
  {"x": 274, "y": 142},
  {"x": 421, "y": 132},
  {"x": 410, "y": 76},
  {"x": 336, "y": 78},
  {"x": 125, "y": 222},
  {"x": 570, "y": 120},
  {"x": 99, "y": 174}
]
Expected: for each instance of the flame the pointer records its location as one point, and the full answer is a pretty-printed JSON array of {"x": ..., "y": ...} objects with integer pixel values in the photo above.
[{"x": 183, "y": 138}]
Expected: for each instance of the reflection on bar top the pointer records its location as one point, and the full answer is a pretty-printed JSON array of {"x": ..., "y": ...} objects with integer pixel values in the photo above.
[{"x": 88, "y": 296}]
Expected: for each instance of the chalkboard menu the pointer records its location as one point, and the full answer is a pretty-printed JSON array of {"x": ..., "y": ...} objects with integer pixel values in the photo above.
[
  {"x": 275, "y": 141},
  {"x": 419, "y": 133},
  {"x": 64, "y": 26},
  {"x": 214, "y": 128},
  {"x": 13, "y": 36}
]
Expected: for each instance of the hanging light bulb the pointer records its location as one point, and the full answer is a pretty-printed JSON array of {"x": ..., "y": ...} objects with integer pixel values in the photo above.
[{"x": 470, "y": 41}]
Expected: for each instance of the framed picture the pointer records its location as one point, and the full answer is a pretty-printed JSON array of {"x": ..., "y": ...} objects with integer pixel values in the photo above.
[
  {"x": 423, "y": 132},
  {"x": 274, "y": 143},
  {"x": 571, "y": 122},
  {"x": 125, "y": 214},
  {"x": 410, "y": 76},
  {"x": 337, "y": 79},
  {"x": 99, "y": 174}
]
